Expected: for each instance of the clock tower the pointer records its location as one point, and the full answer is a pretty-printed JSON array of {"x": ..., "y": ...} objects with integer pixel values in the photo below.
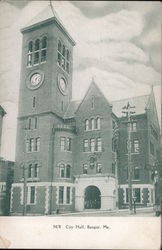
[{"x": 45, "y": 94}]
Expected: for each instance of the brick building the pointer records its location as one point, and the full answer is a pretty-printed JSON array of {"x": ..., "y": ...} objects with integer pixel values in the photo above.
[
  {"x": 6, "y": 176},
  {"x": 67, "y": 156}
]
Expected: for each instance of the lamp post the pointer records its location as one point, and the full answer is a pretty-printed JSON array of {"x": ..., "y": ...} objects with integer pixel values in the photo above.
[{"x": 128, "y": 112}]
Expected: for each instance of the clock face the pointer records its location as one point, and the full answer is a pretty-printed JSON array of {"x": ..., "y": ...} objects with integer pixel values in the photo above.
[
  {"x": 62, "y": 84},
  {"x": 35, "y": 79}
]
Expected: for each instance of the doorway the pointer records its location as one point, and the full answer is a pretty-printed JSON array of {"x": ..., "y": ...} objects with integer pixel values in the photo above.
[{"x": 92, "y": 198}]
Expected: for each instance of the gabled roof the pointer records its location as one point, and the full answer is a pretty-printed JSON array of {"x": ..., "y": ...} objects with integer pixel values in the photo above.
[
  {"x": 2, "y": 111},
  {"x": 45, "y": 16},
  {"x": 70, "y": 112},
  {"x": 99, "y": 91},
  {"x": 140, "y": 103}
]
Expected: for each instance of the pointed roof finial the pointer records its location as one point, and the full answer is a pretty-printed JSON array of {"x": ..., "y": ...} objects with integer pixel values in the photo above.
[
  {"x": 52, "y": 7},
  {"x": 93, "y": 79}
]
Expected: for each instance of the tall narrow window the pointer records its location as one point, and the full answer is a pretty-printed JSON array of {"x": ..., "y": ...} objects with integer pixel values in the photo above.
[
  {"x": 31, "y": 145},
  {"x": 99, "y": 144},
  {"x": 37, "y": 144},
  {"x": 68, "y": 171},
  {"x": 30, "y": 171},
  {"x": 68, "y": 144},
  {"x": 44, "y": 49},
  {"x": 92, "y": 124},
  {"x": 61, "y": 195},
  {"x": 32, "y": 195},
  {"x": 34, "y": 102},
  {"x": 67, "y": 61},
  {"x": 59, "y": 53},
  {"x": 92, "y": 145},
  {"x": 136, "y": 174},
  {"x": 68, "y": 195},
  {"x": 136, "y": 146},
  {"x": 35, "y": 170},
  {"x": 85, "y": 145},
  {"x": 30, "y": 54},
  {"x": 63, "y": 57},
  {"x": 27, "y": 145},
  {"x": 92, "y": 162},
  {"x": 36, "y": 51},
  {"x": 86, "y": 124},
  {"x": 35, "y": 122},
  {"x": 63, "y": 145},
  {"x": 92, "y": 102},
  {"x": 29, "y": 126},
  {"x": 98, "y": 168},
  {"x": 85, "y": 168},
  {"x": 62, "y": 170},
  {"x": 98, "y": 123}
]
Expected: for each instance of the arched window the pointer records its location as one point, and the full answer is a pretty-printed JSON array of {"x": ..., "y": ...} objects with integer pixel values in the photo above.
[
  {"x": 98, "y": 168},
  {"x": 37, "y": 45},
  {"x": 44, "y": 49},
  {"x": 67, "y": 54},
  {"x": 67, "y": 61},
  {"x": 68, "y": 168},
  {"x": 92, "y": 124},
  {"x": 98, "y": 123},
  {"x": 36, "y": 51},
  {"x": 30, "y": 171},
  {"x": 86, "y": 124},
  {"x": 62, "y": 170},
  {"x": 63, "y": 50},
  {"x": 30, "y": 53},
  {"x": 59, "y": 46},
  {"x": 63, "y": 57},
  {"x": 36, "y": 170}
]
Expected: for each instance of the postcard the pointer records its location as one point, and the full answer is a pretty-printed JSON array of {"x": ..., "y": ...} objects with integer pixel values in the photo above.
[{"x": 80, "y": 98}]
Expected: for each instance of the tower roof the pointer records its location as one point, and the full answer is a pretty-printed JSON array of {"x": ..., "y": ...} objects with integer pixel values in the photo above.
[
  {"x": 2, "y": 111},
  {"x": 47, "y": 15}
]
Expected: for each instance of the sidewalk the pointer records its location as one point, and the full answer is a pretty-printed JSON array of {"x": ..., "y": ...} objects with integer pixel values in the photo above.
[{"x": 146, "y": 211}]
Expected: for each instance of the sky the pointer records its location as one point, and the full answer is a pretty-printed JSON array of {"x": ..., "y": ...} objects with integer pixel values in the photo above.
[{"x": 118, "y": 43}]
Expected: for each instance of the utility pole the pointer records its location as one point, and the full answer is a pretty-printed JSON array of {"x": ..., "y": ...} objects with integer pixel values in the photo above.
[
  {"x": 52, "y": 166},
  {"x": 24, "y": 167},
  {"x": 24, "y": 189},
  {"x": 128, "y": 112}
]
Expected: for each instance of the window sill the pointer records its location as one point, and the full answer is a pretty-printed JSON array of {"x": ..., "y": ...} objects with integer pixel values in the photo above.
[
  {"x": 95, "y": 129},
  {"x": 133, "y": 153},
  {"x": 65, "y": 151},
  {"x": 92, "y": 152}
]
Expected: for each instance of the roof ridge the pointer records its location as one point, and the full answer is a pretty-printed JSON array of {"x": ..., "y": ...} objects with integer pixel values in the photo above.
[{"x": 128, "y": 98}]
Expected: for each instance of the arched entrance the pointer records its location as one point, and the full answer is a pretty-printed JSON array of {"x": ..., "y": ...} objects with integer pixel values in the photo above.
[{"x": 92, "y": 198}]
